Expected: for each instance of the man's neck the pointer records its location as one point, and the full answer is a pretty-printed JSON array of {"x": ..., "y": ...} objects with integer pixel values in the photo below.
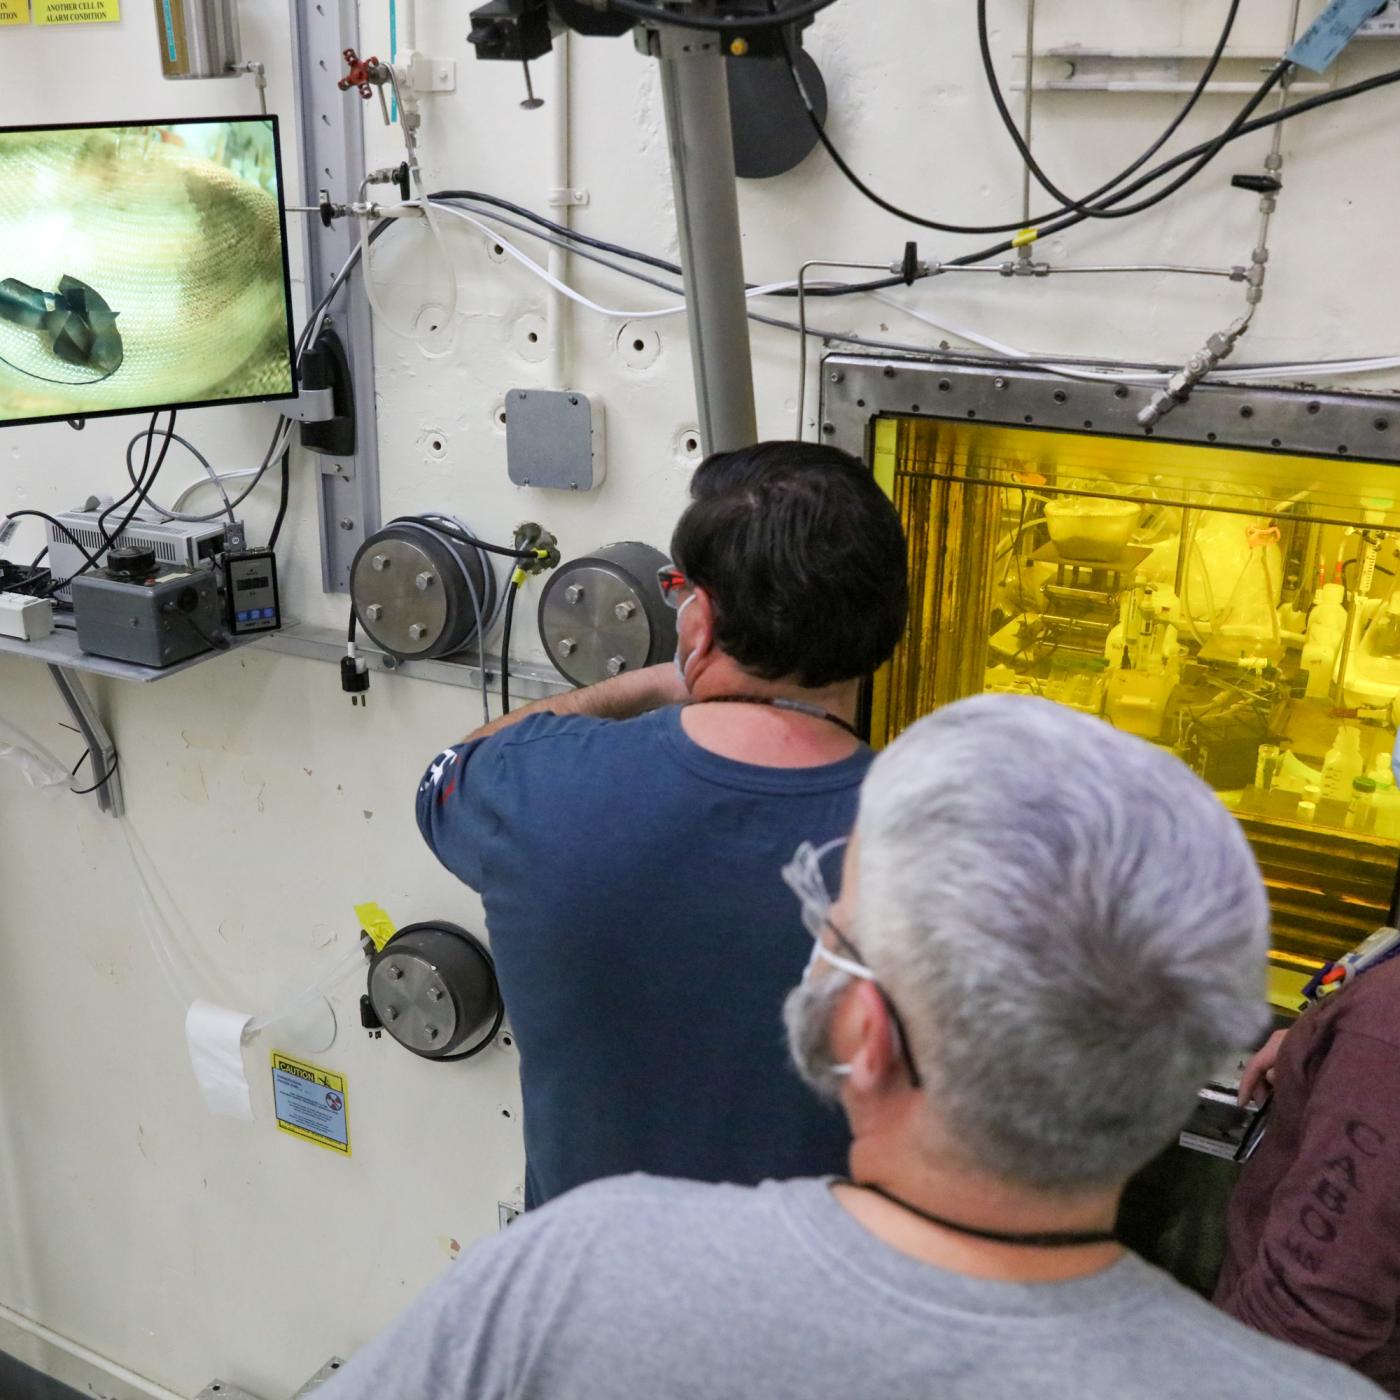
[
  {"x": 983, "y": 1203},
  {"x": 769, "y": 736}
]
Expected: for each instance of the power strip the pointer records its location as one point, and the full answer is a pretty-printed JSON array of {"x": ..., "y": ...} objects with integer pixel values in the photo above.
[{"x": 25, "y": 618}]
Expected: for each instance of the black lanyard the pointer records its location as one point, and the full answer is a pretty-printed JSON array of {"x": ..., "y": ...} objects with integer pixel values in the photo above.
[
  {"x": 1050, "y": 1239},
  {"x": 800, "y": 707}
]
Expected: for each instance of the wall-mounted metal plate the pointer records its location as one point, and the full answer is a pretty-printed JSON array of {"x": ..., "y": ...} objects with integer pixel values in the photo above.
[
  {"x": 555, "y": 439},
  {"x": 222, "y": 1390},
  {"x": 857, "y": 389}
]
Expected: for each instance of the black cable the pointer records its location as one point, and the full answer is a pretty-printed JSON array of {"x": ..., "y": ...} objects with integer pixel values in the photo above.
[
  {"x": 1009, "y": 122},
  {"x": 73, "y": 771},
  {"x": 39, "y": 558},
  {"x": 61, "y": 528},
  {"x": 135, "y": 485},
  {"x": 713, "y": 24},
  {"x": 1212, "y": 148},
  {"x": 452, "y": 532},
  {"x": 1277, "y": 74},
  {"x": 511, "y": 590},
  {"x": 216, "y": 642},
  {"x": 1247, "y": 128},
  {"x": 283, "y": 498},
  {"x": 103, "y": 781},
  {"x": 647, "y": 259},
  {"x": 140, "y": 493}
]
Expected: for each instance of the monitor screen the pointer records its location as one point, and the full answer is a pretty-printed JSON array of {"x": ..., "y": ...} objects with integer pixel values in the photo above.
[{"x": 142, "y": 266}]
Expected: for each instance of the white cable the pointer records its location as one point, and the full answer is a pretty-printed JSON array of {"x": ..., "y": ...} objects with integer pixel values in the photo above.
[
  {"x": 527, "y": 262},
  {"x": 1012, "y": 353},
  {"x": 410, "y": 145},
  {"x": 381, "y": 316},
  {"x": 1359, "y": 365}
]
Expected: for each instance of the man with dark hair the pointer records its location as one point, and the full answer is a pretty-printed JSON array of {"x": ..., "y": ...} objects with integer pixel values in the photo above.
[
  {"x": 625, "y": 838},
  {"x": 1014, "y": 1001}
]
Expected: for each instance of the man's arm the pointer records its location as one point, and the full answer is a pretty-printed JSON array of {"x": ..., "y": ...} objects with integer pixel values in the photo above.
[
  {"x": 622, "y": 697},
  {"x": 1326, "y": 1273}
]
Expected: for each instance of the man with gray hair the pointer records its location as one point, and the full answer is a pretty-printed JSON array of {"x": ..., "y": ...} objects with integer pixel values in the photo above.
[{"x": 1047, "y": 934}]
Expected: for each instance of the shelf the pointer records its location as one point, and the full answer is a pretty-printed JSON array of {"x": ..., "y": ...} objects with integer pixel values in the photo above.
[{"x": 61, "y": 649}]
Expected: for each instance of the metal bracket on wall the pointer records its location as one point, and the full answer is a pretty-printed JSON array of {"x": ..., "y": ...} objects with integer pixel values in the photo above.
[
  {"x": 223, "y": 1390},
  {"x": 102, "y": 752},
  {"x": 332, "y": 157},
  {"x": 857, "y": 389}
]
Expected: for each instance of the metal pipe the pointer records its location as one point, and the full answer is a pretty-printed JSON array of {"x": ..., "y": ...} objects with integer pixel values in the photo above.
[
  {"x": 199, "y": 38},
  {"x": 802, "y": 326},
  {"x": 561, "y": 199},
  {"x": 695, "y": 89},
  {"x": 1028, "y": 110}
]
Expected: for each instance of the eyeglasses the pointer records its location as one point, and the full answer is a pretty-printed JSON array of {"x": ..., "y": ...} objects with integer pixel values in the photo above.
[
  {"x": 803, "y": 876},
  {"x": 672, "y": 584}
]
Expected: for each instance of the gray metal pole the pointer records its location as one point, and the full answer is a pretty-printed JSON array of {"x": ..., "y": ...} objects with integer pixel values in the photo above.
[{"x": 695, "y": 87}]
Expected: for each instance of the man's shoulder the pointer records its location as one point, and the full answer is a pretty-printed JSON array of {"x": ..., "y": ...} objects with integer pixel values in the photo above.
[
  {"x": 1259, "y": 1366},
  {"x": 657, "y": 1218},
  {"x": 645, "y": 1200},
  {"x": 548, "y": 732}
]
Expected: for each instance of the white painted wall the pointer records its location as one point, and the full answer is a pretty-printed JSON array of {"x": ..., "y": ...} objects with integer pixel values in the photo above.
[{"x": 184, "y": 1247}]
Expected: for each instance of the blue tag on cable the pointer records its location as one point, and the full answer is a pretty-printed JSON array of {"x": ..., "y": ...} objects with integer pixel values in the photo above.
[{"x": 1331, "y": 32}]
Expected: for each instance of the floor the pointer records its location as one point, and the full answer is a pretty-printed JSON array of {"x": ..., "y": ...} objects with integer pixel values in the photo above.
[{"x": 20, "y": 1382}]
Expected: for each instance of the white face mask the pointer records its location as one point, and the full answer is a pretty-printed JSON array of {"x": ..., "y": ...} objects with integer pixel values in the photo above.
[
  {"x": 682, "y": 666},
  {"x": 807, "y": 1015}
]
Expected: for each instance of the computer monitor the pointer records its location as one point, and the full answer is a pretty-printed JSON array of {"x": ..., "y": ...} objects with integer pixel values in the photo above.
[{"x": 143, "y": 265}]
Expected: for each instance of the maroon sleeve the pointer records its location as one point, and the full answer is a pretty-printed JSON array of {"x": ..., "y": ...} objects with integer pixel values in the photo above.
[{"x": 1326, "y": 1274}]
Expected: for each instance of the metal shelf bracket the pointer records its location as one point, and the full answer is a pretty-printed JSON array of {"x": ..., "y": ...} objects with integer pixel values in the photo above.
[{"x": 103, "y": 752}]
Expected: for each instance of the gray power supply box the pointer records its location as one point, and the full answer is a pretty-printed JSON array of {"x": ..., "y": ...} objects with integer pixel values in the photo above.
[{"x": 166, "y": 617}]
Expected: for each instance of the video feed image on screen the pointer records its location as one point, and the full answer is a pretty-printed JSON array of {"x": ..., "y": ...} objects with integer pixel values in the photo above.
[{"x": 140, "y": 266}]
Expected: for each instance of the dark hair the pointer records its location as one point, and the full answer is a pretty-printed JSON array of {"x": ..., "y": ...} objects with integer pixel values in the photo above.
[{"x": 803, "y": 557}]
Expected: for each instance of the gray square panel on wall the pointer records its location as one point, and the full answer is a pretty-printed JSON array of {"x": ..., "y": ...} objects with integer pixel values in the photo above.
[{"x": 554, "y": 439}]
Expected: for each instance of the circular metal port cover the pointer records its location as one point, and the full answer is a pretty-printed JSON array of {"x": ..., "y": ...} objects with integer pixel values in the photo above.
[
  {"x": 598, "y": 609},
  {"x": 393, "y": 588},
  {"x": 412, "y": 999}
]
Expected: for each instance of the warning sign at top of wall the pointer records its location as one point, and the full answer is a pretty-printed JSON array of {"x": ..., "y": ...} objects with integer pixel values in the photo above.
[
  {"x": 77, "y": 11},
  {"x": 14, "y": 11}
]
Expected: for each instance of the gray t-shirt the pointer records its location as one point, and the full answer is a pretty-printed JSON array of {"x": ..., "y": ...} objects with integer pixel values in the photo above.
[{"x": 638, "y": 1288}]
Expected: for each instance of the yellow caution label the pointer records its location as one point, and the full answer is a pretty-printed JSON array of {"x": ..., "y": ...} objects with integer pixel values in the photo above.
[
  {"x": 311, "y": 1103},
  {"x": 77, "y": 11},
  {"x": 376, "y": 923},
  {"x": 14, "y": 11}
]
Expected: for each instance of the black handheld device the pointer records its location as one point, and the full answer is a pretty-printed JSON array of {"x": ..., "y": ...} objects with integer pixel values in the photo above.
[{"x": 250, "y": 590}]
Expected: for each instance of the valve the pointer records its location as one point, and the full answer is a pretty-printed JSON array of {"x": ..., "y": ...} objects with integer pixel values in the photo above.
[{"x": 361, "y": 75}]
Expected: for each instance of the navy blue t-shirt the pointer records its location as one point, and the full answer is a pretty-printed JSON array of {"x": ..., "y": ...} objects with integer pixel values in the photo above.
[{"x": 645, "y": 942}]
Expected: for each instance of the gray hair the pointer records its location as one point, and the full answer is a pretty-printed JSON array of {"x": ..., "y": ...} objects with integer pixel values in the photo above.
[{"x": 1072, "y": 926}]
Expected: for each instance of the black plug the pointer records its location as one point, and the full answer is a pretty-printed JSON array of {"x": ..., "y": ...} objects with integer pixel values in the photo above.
[{"x": 354, "y": 677}]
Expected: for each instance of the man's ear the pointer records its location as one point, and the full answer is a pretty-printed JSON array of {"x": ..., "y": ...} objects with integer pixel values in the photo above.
[
  {"x": 701, "y": 632},
  {"x": 864, "y": 1037}
]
